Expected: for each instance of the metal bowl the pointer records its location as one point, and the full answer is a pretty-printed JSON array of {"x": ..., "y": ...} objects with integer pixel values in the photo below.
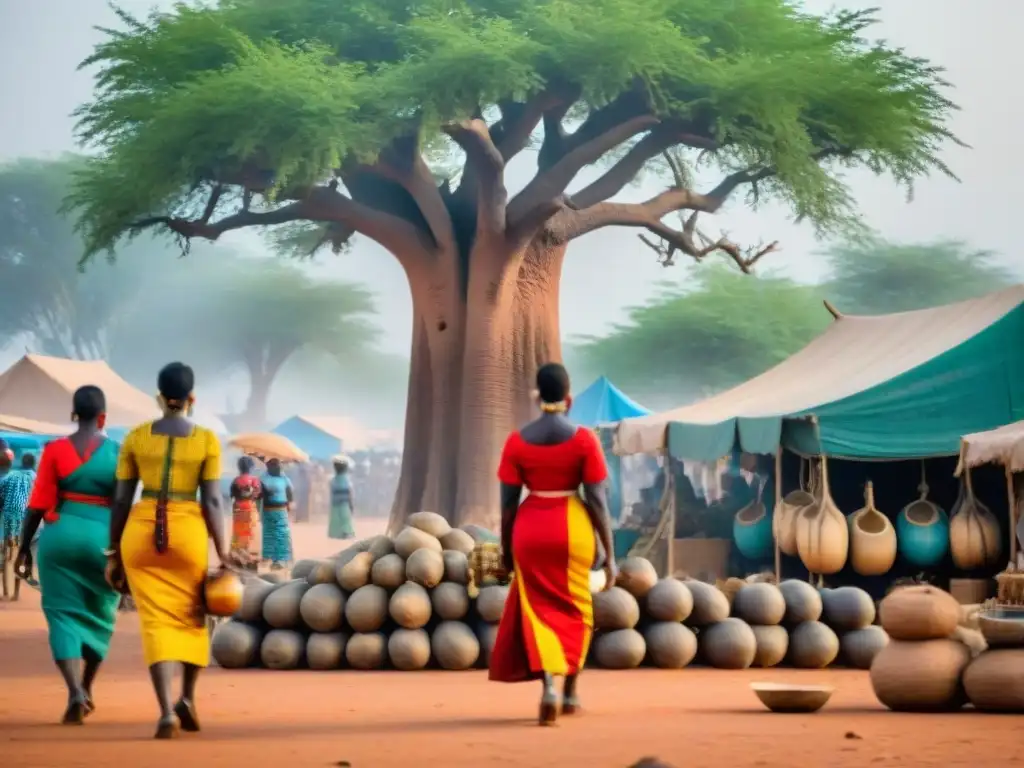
[
  {"x": 786, "y": 697},
  {"x": 1002, "y": 627}
]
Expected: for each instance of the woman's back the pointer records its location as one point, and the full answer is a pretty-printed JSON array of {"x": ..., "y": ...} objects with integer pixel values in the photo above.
[
  {"x": 149, "y": 453},
  {"x": 559, "y": 467}
]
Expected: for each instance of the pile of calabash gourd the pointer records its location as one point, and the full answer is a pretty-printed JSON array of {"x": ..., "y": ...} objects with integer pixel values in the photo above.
[
  {"x": 669, "y": 623},
  {"x": 935, "y": 664},
  {"x": 383, "y": 603}
]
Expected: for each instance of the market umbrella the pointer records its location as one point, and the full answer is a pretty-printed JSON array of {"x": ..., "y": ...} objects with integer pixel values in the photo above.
[{"x": 267, "y": 445}]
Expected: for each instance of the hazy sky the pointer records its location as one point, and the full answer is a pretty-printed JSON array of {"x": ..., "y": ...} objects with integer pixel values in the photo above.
[{"x": 42, "y": 41}]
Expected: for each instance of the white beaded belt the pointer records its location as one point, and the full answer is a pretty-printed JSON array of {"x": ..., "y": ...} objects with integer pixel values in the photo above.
[{"x": 553, "y": 494}]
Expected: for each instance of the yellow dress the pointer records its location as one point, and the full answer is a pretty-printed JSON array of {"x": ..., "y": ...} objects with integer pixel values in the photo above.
[{"x": 167, "y": 587}]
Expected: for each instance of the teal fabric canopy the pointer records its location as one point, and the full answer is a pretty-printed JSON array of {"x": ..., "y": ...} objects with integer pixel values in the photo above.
[
  {"x": 604, "y": 403},
  {"x": 906, "y": 385}
]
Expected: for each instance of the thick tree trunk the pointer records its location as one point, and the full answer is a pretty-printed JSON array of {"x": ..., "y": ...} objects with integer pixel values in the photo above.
[
  {"x": 475, "y": 354},
  {"x": 255, "y": 414}
]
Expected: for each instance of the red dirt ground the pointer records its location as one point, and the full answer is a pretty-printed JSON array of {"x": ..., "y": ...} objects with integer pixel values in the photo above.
[{"x": 692, "y": 718}]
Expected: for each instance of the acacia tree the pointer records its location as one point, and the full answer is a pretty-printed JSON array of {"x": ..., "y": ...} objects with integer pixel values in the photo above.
[
  {"x": 258, "y": 315},
  {"x": 870, "y": 276},
  {"x": 735, "y": 327},
  {"x": 252, "y": 113}
]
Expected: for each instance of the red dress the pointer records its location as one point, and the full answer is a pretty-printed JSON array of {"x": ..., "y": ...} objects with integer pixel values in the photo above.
[{"x": 549, "y": 616}]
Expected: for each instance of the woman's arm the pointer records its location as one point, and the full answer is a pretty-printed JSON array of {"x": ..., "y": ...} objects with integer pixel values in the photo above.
[
  {"x": 510, "y": 495},
  {"x": 210, "y": 497},
  {"x": 595, "y": 477},
  {"x": 42, "y": 499},
  {"x": 124, "y": 491},
  {"x": 511, "y": 478},
  {"x": 595, "y": 500}
]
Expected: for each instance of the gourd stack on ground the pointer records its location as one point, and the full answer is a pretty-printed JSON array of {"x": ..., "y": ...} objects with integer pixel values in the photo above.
[
  {"x": 922, "y": 667},
  {"x": 668, "y": 623},
  {"x": 399, "y": 603}
]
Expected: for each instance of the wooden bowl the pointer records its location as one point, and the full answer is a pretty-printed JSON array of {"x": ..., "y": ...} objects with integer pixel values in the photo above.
[
  {"x": 1003, "y": 626},
  {"x": 786, "y": 697}
]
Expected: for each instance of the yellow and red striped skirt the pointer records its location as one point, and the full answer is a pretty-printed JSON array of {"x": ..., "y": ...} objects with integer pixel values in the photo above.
[{"x": 549, "y": 617}]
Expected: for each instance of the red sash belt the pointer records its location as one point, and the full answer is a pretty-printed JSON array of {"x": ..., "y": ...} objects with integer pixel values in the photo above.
[{"x": 92, "y": 500}]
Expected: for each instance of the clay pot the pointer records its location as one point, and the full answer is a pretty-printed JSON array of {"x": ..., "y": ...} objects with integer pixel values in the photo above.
[
  {"x": 847, "y": 608},
  {"x": 812, "y": 645},
  {"x": 920, "y": 676},
  {"x": 919, "y": 613},
  {"x": 975, "y": 540},
  {"x": 729, "y": 644},
  {"x": 670, "y": 645},
  {"x": 822, "y": 534},
  {"x": 994, "y": 682},
  {"x": 620, "y": 649},
  {"x": 761, "y": 604},
  {"x": 710, "y": 605},
  {"x": 872, "y": 538},
  {"x": 803, "y": 602},
  {"x": 752, "y": 528},
  {"x": 772, "y": 645},
  {"x": 859, "y": 647},
  {"x": 922, "y": 530}
]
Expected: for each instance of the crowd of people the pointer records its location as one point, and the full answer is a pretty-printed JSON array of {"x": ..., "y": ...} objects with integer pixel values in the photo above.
[{"x": 138, "y": 518}]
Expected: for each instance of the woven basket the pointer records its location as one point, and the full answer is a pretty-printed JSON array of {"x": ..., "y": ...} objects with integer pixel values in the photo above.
[{"x": 485, "y": 567}]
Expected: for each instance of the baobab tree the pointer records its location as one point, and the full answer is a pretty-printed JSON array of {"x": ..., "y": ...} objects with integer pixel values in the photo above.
[{"x": 343, "y": 118}]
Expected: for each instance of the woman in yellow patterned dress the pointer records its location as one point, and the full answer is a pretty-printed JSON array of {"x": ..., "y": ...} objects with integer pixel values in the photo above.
[{"x": 164, "y": 550}]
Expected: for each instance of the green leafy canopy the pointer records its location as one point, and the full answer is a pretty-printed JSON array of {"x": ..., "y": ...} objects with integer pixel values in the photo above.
[{"x": 291, "y": 88}]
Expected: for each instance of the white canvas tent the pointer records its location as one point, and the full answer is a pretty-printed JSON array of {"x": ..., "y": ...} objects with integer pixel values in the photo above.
[
  {"x": 1003, "y": 445},
  {"x": 40, "y": 388}
]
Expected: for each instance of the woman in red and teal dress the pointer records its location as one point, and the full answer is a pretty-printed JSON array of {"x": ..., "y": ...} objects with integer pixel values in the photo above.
[
  {"x": 73, "y": 492},
  {"x": 549, "y": 543}
]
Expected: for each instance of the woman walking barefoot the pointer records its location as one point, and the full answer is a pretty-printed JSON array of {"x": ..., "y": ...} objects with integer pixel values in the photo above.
[
  {"x": 164, "y": 549},
  {"x": 73, "y": 493},
  {"x": 549, "y": 542}
]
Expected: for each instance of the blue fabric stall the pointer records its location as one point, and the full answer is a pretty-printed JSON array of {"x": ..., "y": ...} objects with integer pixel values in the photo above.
[{"x": 604, "y": 404}]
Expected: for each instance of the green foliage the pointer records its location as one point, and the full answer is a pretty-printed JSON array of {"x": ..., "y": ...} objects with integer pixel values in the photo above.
[
  {"x": 874, "y": 277},
  {"x": 287, "y": 88},
  {"x": 727, "y": 327},
  {"x": 724, "y": 328},
  {"x": 217, "y": 309}
]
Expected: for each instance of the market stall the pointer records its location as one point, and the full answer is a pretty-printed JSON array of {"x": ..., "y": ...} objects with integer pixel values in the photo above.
[
  {"x": 871, "y": 389},
  {"x": 39, "y": 388},
  {"x": 600, "y": 407},
  {"x": 1004, "y": 446}
]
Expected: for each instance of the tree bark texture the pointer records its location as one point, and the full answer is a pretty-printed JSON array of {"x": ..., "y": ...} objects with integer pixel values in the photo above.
[{"x": 475, "y": 353}]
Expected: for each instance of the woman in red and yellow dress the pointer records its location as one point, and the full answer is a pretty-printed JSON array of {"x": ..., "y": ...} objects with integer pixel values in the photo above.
[{"x": 549, "y": 543}]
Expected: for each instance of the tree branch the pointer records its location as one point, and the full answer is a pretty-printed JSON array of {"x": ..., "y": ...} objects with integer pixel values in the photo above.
[
  {"x": 630, "y": 104},
  {"x": 511, "y": 134},
  {"x": 659, "y": 140},
  {"x": 323, "y": 204},
  {"x": 683, "y": 241},
  {"x": 649, "y": 213},
  {"x": 551, "y": 184},
  {"x": 487, "y": 166}
]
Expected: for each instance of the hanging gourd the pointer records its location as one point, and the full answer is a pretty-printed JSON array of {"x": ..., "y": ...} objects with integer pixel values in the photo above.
[
  {"x": 922, "y": 529},
  {"x": 975, "y": 540},
  {"x": 752, "y": 527},
  {"x": 822, "y": 534},
  {"x": 872, "y": 538},
  {"x": 785, "y": 517}
]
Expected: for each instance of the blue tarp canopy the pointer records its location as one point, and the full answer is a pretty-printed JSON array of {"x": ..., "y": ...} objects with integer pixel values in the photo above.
[{"x": 604, "y": 403}]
